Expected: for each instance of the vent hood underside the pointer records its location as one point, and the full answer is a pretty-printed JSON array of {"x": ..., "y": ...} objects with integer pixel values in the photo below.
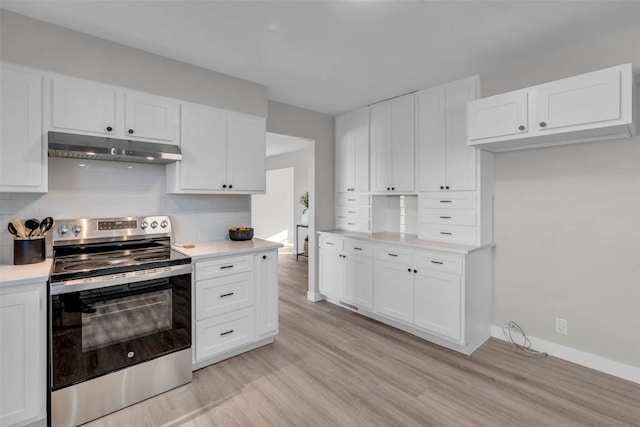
[{"x": 74, "y": 146}]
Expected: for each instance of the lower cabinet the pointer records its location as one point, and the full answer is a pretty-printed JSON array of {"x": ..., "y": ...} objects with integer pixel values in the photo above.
[
  {"x": 441, "y": 296},
  {"x": 23, "y": 349},
  {"x": 236, "y": 305}
]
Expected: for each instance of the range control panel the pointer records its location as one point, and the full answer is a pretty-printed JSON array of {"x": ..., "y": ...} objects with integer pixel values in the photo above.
[{"x": 66, "y": 230}]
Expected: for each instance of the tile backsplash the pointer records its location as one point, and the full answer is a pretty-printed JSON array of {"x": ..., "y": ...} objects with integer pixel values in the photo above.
[{"x": 97, "y": 189}]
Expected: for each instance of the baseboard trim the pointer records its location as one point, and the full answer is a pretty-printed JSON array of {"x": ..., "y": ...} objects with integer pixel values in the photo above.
[
  {"x": 314, "y": 296},
  {"x": 579, "y": 357}
]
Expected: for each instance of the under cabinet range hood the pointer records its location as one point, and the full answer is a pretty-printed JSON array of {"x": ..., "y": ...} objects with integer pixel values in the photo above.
[{"x": 73, "y": 146}]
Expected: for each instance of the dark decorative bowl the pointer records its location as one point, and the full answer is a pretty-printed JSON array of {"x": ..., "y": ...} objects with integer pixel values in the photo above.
[{"x": 239, "y": 235}]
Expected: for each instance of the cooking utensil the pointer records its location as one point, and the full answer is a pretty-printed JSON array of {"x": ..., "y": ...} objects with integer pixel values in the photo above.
[
  {"x": 20, "y": 228},
  {"x": 46, "y": 225},
  {"x": 12, "y": 229},
  {"x": 32, "y": 225}
]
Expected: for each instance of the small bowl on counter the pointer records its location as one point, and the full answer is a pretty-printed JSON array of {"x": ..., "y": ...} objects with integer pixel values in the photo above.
[{"x": 239, "y": 234}]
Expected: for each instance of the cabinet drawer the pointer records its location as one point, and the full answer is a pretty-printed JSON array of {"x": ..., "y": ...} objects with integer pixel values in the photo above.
[
  {"x": 223, "y": 267},
  {"x": 438, "y": 262},
  {"x": 330, "y": 243},
  {"x": 223, "y": 294},
  {"x": 350, "y": 199},
  {"x": 446, "y": 201},
  {"x": 353, "y": 212},
  {"x": 451, "y": 234},
  {"x": 354, "y": 224},
  {"x": 222, "y": 333},
  {"x": 395, "y": 255},
  {"x": 448, "y": 217},
  {"x": 355, "y": 247}
]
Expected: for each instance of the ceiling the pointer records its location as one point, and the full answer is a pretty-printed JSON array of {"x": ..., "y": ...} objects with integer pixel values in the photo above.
[
  {"x": 280, "y": 144},
  {"x": 332, "y": 56}
]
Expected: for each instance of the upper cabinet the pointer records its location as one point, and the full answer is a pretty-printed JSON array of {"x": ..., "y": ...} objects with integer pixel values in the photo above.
[
  {"x": 90, "y": 108},
  {"x": 393, "y": 145},
  {"x": 23, "y": 157},
  {"x": 222, "y": 151},
  {"x": 588, "y": 107},
  {"x": 352, "y": 151},
  {"x": 445, "y": 160}
]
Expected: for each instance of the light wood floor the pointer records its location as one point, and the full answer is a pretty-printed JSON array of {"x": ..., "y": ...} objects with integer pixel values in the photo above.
[{"x": 331, "y": 367}]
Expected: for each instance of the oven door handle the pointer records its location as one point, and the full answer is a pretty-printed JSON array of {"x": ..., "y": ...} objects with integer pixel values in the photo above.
[{"x": 77, "y": 285}]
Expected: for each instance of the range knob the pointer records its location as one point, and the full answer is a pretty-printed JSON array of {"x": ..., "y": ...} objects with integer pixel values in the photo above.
[
  {"x": 63, "y": 229},
  {"x": 144, "y": 225},
  {"x": 154, "y": 224},
  {"x": 164, "y": 224},
  {"x": 77, "y": 229}
]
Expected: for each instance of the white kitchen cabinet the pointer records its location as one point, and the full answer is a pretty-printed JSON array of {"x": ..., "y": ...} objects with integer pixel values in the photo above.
[
  {"x": 89, "y": 108},
  {"x": 222, "y": 152},
  {"x": 393, "y": 290},
  {"x": 392, "y": 137},
  {"x": 23, "y": 156},
  {"x": 352, "y": 151},
  {"x": 332, "y": 272},
  {"x": 589, "y": 107},
  {"x": 446, "y": 162},
  {"x": 219, "y": 334},
  {"x": 437, "y": 302},
  {"x": 23, "y": 349},
  {"x": 224, "y": 294},
  {"x": 266, "y": 278},
  {"x": 358, "y": 284}
]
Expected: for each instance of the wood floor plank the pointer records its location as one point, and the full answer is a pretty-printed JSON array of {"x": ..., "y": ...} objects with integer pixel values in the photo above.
[{"x": 332, "y": 367}]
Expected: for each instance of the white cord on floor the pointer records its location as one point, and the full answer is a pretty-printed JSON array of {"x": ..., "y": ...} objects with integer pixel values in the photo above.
[{"x": 511, "y": 327}]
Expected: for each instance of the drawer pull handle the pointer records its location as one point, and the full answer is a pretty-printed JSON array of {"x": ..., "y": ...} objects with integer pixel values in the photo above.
[
  {"x": 226, "y": 333},
  {"x": 352, "y": 212},
  {"x": 351, "y": 200},
  {"x": 445, "y": 233},
  {"x": 437, "y": 262},
  {"x": 445, "y": 201},
  {"x": 357, "y": 249},
  {"x": 394, "y": 255},
  {"x": 445, "y": 217},
  {"x": 224, "y": 267},
  {"x": 226, "y": 295},
  {"x": 351, "y": 223}
]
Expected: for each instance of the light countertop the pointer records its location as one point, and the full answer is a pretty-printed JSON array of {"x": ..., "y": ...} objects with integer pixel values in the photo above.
[
  {"x": 226, "y": 247},
  {"x": 13, "y": 275},
  {"x": 407, "y": 240}
]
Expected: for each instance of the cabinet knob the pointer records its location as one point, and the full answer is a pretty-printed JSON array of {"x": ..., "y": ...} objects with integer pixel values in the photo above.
[
  {"x": 543, "y": 124},
  {"x": 230, "y": 186},
  {"x": 409, "y": 270},
  {"x": 521, "y": 127},
  {"x": 388, "y": 188},
  {"x": 442, "y": 187},
  {"x": 446, "y": 188},
  {"x": 393, "y": 188},
  {"x": 130, "y": 131},
  {"x": 264, "y": 257},
  {"x": 224, "y": 185},
  {"x": 415, "y": 271},
  {"x": 109, "y": 128}
]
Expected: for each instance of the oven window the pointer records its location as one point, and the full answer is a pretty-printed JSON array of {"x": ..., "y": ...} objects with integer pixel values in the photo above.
[{"x": 120, "y": 319}]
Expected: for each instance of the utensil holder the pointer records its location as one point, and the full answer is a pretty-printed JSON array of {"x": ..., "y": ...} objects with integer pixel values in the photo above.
[{"x": 28, "y": 251}]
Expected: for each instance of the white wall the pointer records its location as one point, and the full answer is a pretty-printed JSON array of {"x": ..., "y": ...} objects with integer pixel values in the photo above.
[
  {"x": 567, "y": 220},
  {"x": 272, "y": 212},
  {"x": 109, "y": 189}
]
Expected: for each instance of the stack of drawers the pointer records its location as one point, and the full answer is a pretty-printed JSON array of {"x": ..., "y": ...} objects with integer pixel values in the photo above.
[
  {"x": 449, "y": 217},
  {"x": 353, "y": 212},
  {"x": 224, "y": 303}
]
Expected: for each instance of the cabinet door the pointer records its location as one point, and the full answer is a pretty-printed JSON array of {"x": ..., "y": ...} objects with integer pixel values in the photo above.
[
  {"x": 223, "y": 294},
  {"x": 360, "y": 153},
  {"x": 498, "y": 116},
  {"x": 437, "y": 303},
  {"x": 393, "y": 290},
  {"x": 246, "y": 152},
  {"x": 460, "y": 159},
  {"x": 21, "y": 150},
  {"x": 358, "y": 288},
  {"x": 331, "y": 273},
  {"x": 204, "y": 148},
  {"x": 22, "y": 356},
  {"x": 431, "y": 139},
  {"x": 403, "y": 143},
  {"x": 580, "y": 100},
  {"x": 380, "y": 146},
  {"x": 150, "y": 117},
  {"x": 266, "y": 278},
  {"x": 84, "y": 107},
  {"x": 344, "y": 153}
]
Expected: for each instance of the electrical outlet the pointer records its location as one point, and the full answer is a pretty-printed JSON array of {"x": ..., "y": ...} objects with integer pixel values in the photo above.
[{"x": 561, "y": 326}]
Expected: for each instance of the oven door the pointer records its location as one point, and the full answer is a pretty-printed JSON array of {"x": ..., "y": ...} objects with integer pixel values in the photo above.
[{"x": 97, "y": 330}]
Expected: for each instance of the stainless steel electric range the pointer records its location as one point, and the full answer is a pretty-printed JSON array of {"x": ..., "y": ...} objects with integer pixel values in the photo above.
[{"x": 120, "y": 316}]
